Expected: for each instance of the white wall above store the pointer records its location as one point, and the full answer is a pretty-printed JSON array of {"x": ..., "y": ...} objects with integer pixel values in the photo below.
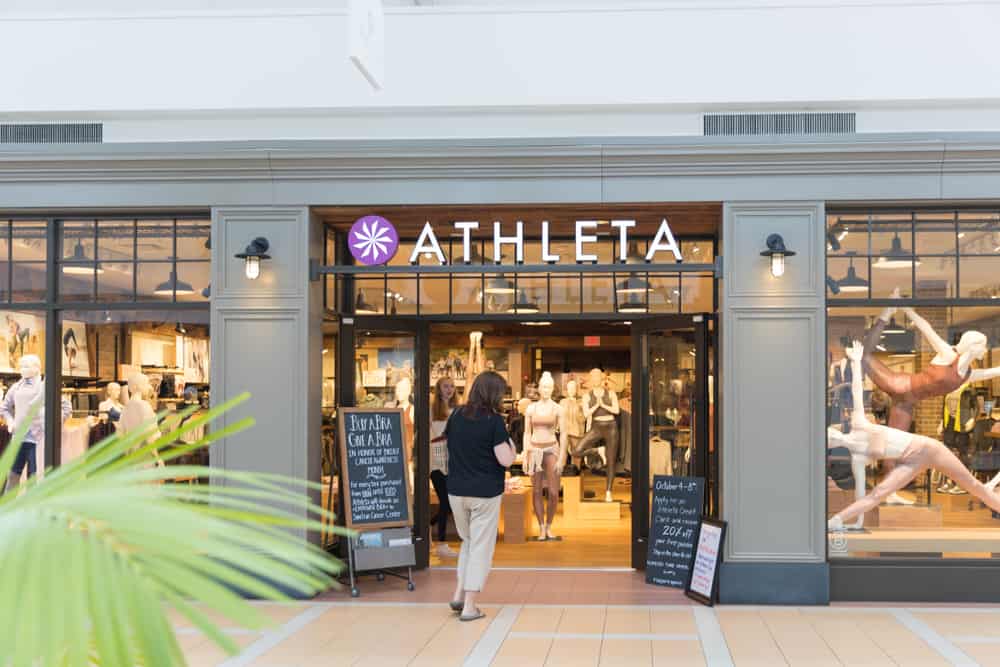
[{"x": 249, "y": 68}]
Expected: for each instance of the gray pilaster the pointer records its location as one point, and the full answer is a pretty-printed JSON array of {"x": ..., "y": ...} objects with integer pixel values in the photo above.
[
  {"x": 773, "y": 333},
  {"x": 266, "y": 340}
]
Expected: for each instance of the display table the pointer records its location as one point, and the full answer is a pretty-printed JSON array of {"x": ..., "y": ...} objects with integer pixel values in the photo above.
[
  {"x": 575, "y": 507},
  {"x": 516, "y": 516}
]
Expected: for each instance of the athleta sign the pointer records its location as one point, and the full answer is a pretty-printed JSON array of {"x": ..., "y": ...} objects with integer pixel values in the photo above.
[{"x": 373, "y": 240}]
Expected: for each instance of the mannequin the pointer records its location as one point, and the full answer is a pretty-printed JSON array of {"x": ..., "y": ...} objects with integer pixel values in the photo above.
[
  {"x": 600, "y": 408},
  {"x": 138, "y": 413},
  {"x": 111, "y": 407},
  {"x": 957, "y": 422},
  {"x": 20, "y": 398},
  {"x": 476, "y": 363},
  {"x": 575, "y": 422},
  {"x": 912, "y": 453},
  {"x": 402, "y": 401},
  {"x": 544, "y": 454}
]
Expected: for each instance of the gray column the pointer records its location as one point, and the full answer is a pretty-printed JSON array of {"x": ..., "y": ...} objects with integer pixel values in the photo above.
[
  {"x": 772, "y": 407},
  {"x": 266, "y": 340}
]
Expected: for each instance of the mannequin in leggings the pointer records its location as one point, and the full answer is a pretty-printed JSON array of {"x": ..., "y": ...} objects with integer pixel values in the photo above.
[
  {"x": 544, "y": 454},
  {"x": 600, "y": 408},
  {"x": 950, "y": 368},
  {"x": 912, "y": 453}
]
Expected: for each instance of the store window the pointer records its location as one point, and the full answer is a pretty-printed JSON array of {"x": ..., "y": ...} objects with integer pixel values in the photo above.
[
  {"x": 128, "y": 301},
  {"x": 119, "y": 366},
  {"x": 915, "y": 475}
]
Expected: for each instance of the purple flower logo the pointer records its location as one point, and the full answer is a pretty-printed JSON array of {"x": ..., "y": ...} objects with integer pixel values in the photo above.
[{"x": 373, "y": 240}]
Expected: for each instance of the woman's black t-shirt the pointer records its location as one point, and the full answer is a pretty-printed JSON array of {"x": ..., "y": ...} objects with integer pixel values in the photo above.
[{"x": 473, "y": 469}]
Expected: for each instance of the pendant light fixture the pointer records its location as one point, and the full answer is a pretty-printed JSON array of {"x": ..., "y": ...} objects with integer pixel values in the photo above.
[
  {"x": 524, "y": 306},
  {"x": 634, "y": 284},
  {"x": 634, "y": 304},
  {"x": 87, "y": 267},
  {"x": 362, "y": 307},
  {"x": 499, "y": 285},
  {"x": 537, "y": 323},
  {"x": 893, "y": 328},
  {"x": 895, "y": 257},
  {"x": 172, "y": 285},
  {"x": 852, "y": 282}
]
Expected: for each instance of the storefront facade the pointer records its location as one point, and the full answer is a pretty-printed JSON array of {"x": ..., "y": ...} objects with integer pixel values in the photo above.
[{"x": 772, "y": 333}]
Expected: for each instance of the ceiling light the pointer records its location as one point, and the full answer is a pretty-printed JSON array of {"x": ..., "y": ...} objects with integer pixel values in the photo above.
[
  {"x": 852, "y": 282},
  {"x": 893, "y": 328},
  {"x": 499, "y": 285},
  {"x": 88, "y": 268},
  {"x": 843, "y": 233},
  {"x": 961, "y": 235},
  {"x": 180, "y": 328},
  {"x": 523, "y": 306},
  {"x": 362, "y": 307},
  {"x": 172, "y": 285},
  {"x": 880, "y": 347},
  {"x": 537, "y": 323},
  {"x": 633, "y": 285},
  {"x": 634, "y": 304},
  {"x": 896, "y": 257}
]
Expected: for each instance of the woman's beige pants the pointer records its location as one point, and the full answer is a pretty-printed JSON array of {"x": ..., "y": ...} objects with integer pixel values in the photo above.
[{"x": 476, "y": 520}]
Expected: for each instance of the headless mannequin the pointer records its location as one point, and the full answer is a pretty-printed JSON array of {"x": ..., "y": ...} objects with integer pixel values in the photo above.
[
  {"x": 956, "y": 424},
  {"x": 111, "y": 407},
  {"x": 544, "y": 454},
  {"x": 600, "y": 408},
  {"x": 912, "y": 453},
  {"x": 576, "y": 423},
  {"x": 402, "y": 401}
]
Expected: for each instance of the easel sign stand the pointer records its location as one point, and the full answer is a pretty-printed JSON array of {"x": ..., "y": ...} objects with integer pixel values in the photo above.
[
  {"x": 375, "y": 464},
  {"x": 703, "y": 585}
]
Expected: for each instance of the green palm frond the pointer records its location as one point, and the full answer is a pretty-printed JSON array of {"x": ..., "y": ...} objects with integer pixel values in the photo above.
[{"x": 93, "y": 555}]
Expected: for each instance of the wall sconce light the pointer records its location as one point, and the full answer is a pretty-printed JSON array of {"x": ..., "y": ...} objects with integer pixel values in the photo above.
[
  {"x": 254, "y": 253},
  {"x": 777, "y": 251}
]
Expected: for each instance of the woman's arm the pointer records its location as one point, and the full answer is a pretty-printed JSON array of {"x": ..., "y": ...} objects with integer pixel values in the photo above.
[
  {"x": 927, "y": 330},
  {"x": 526, "y": 437},
  {"x": 505, "y": 453}
]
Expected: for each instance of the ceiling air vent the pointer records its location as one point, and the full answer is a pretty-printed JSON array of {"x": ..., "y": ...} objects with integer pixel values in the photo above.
[
  {"x": 764, "y": 124},
  {"x": 51, "y": 133}
]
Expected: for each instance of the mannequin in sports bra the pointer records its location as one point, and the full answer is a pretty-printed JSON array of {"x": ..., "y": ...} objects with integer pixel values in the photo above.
[
  {"x": 112, "y": 406},
  {"x": 544, "y": 454},
  {"x": 600, "y": 408},
  {"x": 950, "y": 368},
  {"x": 912, "y": 453}
]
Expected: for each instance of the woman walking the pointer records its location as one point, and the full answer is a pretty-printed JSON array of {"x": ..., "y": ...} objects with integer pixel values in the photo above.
[
  {"x": 445, "y": 402},
  {"x": 479, "y": 449}
]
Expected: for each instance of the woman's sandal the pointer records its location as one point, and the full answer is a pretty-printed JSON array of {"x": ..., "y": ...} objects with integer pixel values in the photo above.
[
  {"x": 474, "y": 617},
  {"x": 457, "y": 606}
]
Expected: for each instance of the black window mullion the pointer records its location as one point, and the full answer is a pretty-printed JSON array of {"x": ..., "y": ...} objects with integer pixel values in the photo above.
[
  {"x": 96, "y": 297},
  {"x": 10, "y": 261},
  {"x": 913, "y": 251},
  {"x": 173, "y": 263},
  {"x": 958, "y": 264},
  {"x": 135, "y": 261}
]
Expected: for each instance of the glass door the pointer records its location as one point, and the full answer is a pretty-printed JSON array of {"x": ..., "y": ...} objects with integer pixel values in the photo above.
[
  {"x": 673, "y": 416},
  {"x": 387, "y": 367}
]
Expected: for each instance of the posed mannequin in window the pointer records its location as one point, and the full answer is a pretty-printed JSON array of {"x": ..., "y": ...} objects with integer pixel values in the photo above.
[
  {"x": 600, "y": 407},
  {"x": 477, "y": 363},
  {"x": 18, "y": 402},
  {"x": 445, "y": 402},
  {"x": 950, "y": 368},
  {"x": 545, "y": 454},
  {"x": 575, "y": 423},
  {"x": 402, "y": 401},
  {"x": 913, "y": 454},
  {"x": 111, "y": 407}
]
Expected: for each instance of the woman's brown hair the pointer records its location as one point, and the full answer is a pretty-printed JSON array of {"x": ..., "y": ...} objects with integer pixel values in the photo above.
[
  {"x": 439, "y": 409},
  {"x": 486, "y": 395}
]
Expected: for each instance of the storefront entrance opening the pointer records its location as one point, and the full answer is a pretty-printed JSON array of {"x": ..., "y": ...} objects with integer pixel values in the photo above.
[
  {"x": 611, "y": 305},
  {"x": 656, "y": 372}
]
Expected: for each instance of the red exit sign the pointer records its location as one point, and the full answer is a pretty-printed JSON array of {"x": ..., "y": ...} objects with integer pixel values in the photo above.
[{"x": 591, "y": 341}]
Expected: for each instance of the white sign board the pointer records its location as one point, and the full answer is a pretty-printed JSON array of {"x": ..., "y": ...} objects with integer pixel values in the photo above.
[
  {"x": 366, "y": 40},
  {"x": 706, "y": 561}
]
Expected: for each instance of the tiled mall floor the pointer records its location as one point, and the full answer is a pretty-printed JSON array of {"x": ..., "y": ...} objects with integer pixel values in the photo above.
[{"x": 405, "y": 630}]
